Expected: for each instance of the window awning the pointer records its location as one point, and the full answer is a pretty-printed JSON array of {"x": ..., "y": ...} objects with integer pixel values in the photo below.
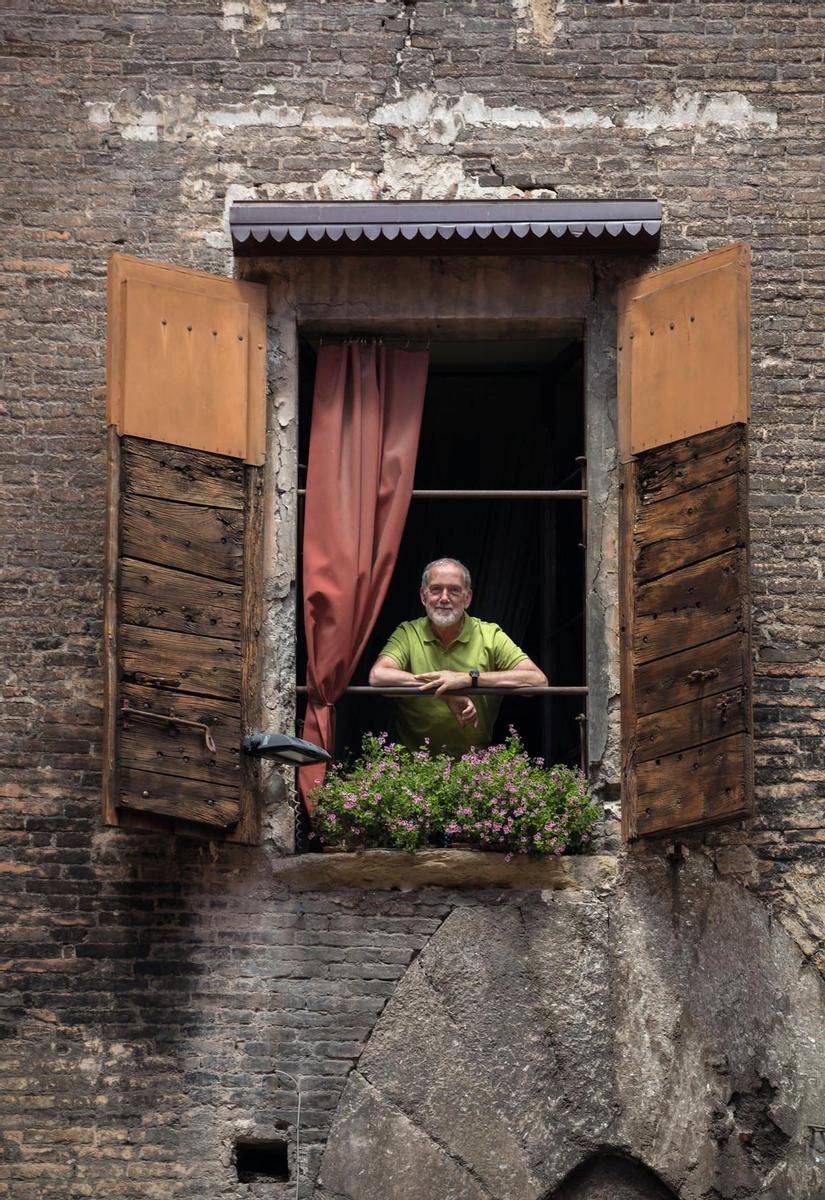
[{"x": 446, "y": 227}]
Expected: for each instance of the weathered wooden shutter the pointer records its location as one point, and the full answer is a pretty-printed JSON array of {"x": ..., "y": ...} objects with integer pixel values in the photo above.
[
  {"x": 686, "y": 657},
  {"x": 186, "y": 413}
]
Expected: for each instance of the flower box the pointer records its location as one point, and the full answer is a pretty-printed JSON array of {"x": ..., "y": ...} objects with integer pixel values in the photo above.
[{"x": 494, "y": 799}]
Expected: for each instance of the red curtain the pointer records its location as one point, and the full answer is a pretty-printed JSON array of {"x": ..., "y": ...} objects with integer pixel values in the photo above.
[{"x": 366, "y": 421}]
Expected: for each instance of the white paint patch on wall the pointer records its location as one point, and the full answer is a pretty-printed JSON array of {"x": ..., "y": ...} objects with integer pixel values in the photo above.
[
  {"x": 332, "y": 184},
  {"x": 422, "y": 118},
  {"x": 426, "y": 117},
  {"x": 145, "y": 129},
  {"x": 177, "y": 118},
  {"x": 250, "y": 15},
  {"x": 234, "y": 14},
  {"x": 100, "y": 113},
  {"x": 698, "y": 110},
  {"x": 135, "y": 126},
  {"x": 429, "y": 118},
  {"x": 281, "y": 116},
  {"x": 537, "y": 20}
]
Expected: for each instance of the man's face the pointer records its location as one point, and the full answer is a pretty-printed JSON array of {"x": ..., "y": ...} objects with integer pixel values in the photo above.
[{"x": 445, "y": 597}]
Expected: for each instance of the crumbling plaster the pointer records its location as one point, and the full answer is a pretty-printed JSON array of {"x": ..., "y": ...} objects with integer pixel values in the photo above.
[
  {"x": 537, "y": 20},
  {"x": 423, "y": 136},
  {"x": 424, "y": 117}
]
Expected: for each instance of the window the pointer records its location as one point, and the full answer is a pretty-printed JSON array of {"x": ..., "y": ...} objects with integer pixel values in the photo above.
[
  {"x": 188, "y": 493},
  {"x": 500, "y": 416}
]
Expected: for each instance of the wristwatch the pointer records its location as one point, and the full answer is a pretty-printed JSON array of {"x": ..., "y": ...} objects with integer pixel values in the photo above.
[{"x": 474, "y": 679}]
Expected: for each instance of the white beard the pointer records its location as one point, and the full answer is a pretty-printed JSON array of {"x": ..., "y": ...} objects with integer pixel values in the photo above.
[{"x": 444, "y": 617}]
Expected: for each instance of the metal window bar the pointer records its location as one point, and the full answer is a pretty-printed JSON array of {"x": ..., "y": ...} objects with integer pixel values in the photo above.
[
  {"x": 302, "y": 690},
  {"x": 526, "y": 692},
  {"x": 579, "y": 494},
  {"x": 493, "y": 493}
]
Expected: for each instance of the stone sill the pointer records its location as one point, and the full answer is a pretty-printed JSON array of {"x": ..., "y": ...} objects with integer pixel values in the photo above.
[{"x": 383, "y": 870}]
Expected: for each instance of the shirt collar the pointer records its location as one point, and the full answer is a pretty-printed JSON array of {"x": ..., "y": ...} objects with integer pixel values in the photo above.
[{"x": 431, "y": 636}]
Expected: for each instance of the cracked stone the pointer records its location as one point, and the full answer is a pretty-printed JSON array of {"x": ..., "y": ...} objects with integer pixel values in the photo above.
[
  {"x": 496, "y": 1044},
  {"x": 379, "y": 1154}
]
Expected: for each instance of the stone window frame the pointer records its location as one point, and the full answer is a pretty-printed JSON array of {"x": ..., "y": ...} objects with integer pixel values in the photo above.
[{"x": 421, "y": 297}]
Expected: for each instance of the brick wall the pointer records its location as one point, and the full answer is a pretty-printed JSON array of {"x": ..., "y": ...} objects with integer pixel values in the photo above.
[
  {"x": 144, "y": 978},
  {"x": 149, "y": 1017}
]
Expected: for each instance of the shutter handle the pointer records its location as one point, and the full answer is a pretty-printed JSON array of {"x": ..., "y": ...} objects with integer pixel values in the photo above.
[
  {"x": 150, "y": 716},
  {"x": 153, "y": 680},
  {"x": 703, "y": 676}
]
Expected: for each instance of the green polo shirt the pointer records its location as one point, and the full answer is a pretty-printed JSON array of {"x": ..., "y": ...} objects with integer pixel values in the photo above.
[{"x": 481, "y": 646}]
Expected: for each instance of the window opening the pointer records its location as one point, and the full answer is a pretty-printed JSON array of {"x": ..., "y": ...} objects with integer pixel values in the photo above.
[{"x": 499, "y": 417}]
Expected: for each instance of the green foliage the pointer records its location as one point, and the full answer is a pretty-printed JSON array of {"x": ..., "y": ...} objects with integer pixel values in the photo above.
[{"x": 497, "y": 798}]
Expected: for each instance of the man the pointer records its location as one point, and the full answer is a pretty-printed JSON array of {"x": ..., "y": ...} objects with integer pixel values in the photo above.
[{"x": 446, "y": 651}]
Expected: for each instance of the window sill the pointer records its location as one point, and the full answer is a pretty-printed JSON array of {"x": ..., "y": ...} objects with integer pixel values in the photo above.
[{"x": 396, "y": 870}]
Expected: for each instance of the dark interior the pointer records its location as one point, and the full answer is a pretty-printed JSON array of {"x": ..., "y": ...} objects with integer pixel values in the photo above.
[
  {"x": 261, "y": 1158},
  {"x": 496, "y": 415}
]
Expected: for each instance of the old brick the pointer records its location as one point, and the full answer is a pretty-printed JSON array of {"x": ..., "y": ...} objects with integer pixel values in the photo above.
[{"x": 174, "y": 981}]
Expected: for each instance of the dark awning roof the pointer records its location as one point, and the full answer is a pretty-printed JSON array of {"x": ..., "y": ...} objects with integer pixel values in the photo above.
[{"x": 446, "y": 227}]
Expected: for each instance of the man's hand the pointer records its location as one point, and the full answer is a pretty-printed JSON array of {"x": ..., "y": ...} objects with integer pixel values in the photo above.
[
  {"x": 439, "y": 682},
  {"x": 462, "y": 709}
]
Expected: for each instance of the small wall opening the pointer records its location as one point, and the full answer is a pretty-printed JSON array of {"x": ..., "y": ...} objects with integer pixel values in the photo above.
[
  {"x": 262, "y": 1158},
  {"x": 611, "y": 1177}
]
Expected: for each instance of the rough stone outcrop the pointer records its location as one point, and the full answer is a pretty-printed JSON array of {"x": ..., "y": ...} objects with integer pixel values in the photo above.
[
  {"x": 719, "y": 1035},
  {"x": 494, "y": 1045},
  {"x": 670, "y": 1020}
]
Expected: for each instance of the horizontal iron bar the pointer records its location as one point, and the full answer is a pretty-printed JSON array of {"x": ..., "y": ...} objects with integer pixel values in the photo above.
[
  {"x": 496, "y": 494},
  {"x": 480, "y": 691}
]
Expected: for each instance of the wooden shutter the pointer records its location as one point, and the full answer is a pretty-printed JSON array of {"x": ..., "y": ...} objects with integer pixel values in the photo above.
[
  {"x": 686, "y": 657},
  {"x": 186, "y": 413}
]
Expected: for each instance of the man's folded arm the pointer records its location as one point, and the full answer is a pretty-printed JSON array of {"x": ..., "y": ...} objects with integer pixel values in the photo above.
[
  {"x": 523, "y": 674},
  {"x": 387, "y": 673}
]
